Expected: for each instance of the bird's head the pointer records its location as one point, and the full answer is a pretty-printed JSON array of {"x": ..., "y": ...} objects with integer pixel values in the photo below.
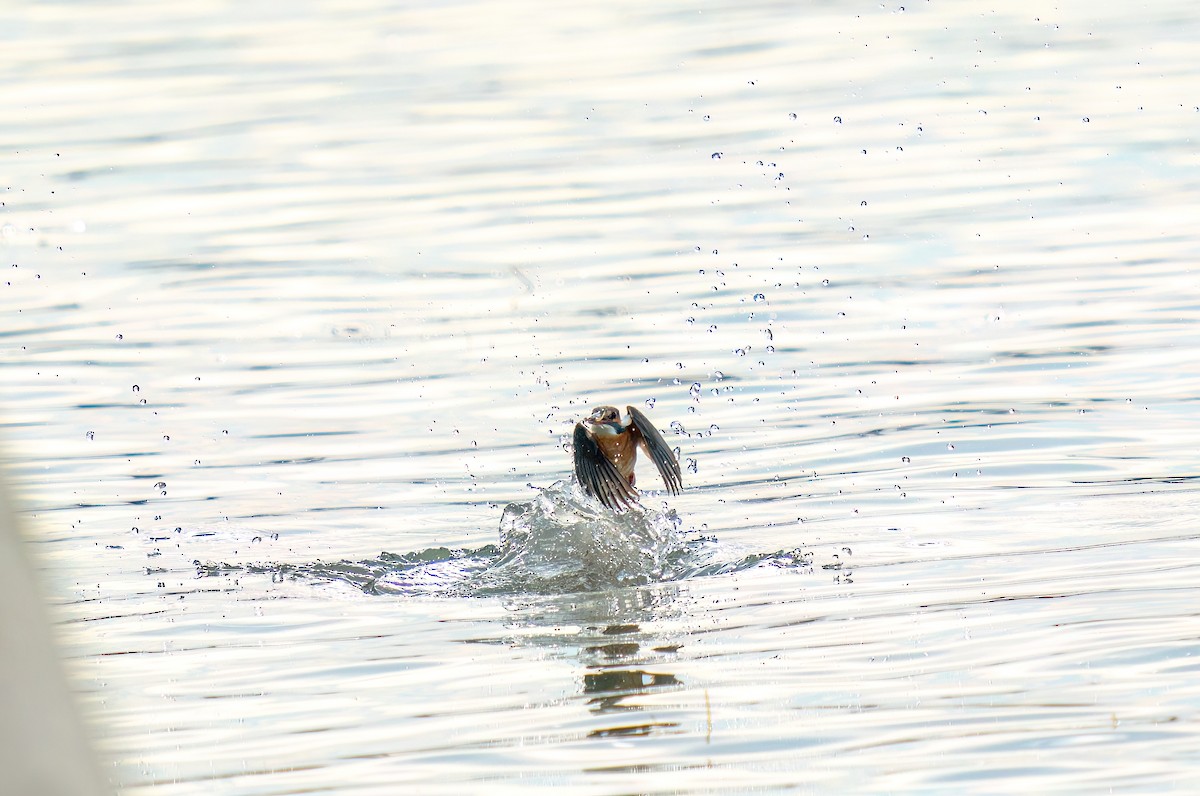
[{"x": 604, "y": 420}]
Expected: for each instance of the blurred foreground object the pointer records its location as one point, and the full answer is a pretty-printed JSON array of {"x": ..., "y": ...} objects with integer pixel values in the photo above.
[{"x": 43, "y": 748}]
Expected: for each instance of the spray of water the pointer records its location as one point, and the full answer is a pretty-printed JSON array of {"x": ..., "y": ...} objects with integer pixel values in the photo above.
[{"x": 562, "y": 541}]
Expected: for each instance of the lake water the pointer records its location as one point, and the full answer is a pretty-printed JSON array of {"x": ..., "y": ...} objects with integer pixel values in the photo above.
[{"x": 299, "y": 297}]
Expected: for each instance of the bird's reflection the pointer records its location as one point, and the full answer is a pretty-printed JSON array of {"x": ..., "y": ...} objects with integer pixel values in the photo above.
[
  {"x": 609, "y": 690},
  {"x": 625, "y": 641}
]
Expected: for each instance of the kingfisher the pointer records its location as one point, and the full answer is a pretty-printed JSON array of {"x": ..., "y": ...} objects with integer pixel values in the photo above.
[{"x": 606, "y": 450}]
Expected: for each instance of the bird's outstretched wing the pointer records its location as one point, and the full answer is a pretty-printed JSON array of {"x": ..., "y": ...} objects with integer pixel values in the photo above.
[
  {"x": 598, "y": 476},
  {"x": 657, "y": 449}
]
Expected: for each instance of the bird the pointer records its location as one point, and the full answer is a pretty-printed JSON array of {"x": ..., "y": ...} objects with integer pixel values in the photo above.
[{"x": 606, "y": 450}]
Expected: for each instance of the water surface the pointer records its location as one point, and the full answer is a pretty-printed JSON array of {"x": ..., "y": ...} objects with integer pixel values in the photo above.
[{"x": 299, "y": 299}]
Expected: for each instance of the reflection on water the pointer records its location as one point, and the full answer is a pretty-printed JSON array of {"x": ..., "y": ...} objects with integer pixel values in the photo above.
[{"x": 911, "y": 288}]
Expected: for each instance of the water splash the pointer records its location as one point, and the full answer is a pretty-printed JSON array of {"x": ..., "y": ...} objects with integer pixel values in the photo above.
[
  {"x": 565, "y": 541},
  {"x": 562, "y": 541}
]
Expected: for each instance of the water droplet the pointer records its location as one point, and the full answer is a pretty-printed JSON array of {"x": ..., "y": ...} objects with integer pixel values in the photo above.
[
  {"x": 707, "y": 117},
  {"x": 792, "y": 116},
  {"x": 1086, "y": 120},
  {"x": 825, "y": 282},
  {"x": 694, "y": 390},
  {"x": 718, "y": 375},
  {"x": 91, "y": 435},
  {"x": 759, "y": 297},
  {"x": 741, "y": 352},
  {"x": 166, "y": 437},
  {"x": 716, "y": 155},
  {"x": 649, "y": 403},
  {"x": 770, "y": 349},
  {"x": 905, "y": 459},
  {"x": 120, "y": 337},
  {"x": 863, "y": 203},
  {"x": 137, "y": 388},
  {"x": 678, "y": 428},
  {"x": 949, "y": 446},
  {"x": 691, "y": 465},
  {"x": 837, "y": 119}
]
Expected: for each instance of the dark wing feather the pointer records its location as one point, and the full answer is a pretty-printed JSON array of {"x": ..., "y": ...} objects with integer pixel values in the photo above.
[
  {"x": 658, "y": 450},
  {"x": 598, "y": 476}
]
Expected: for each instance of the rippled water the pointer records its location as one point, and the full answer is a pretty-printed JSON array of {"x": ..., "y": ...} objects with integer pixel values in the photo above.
[{"x": 300, "y": 299}]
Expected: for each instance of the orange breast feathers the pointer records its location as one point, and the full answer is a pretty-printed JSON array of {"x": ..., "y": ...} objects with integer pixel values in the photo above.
[{"x": 621, "y": 450}]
